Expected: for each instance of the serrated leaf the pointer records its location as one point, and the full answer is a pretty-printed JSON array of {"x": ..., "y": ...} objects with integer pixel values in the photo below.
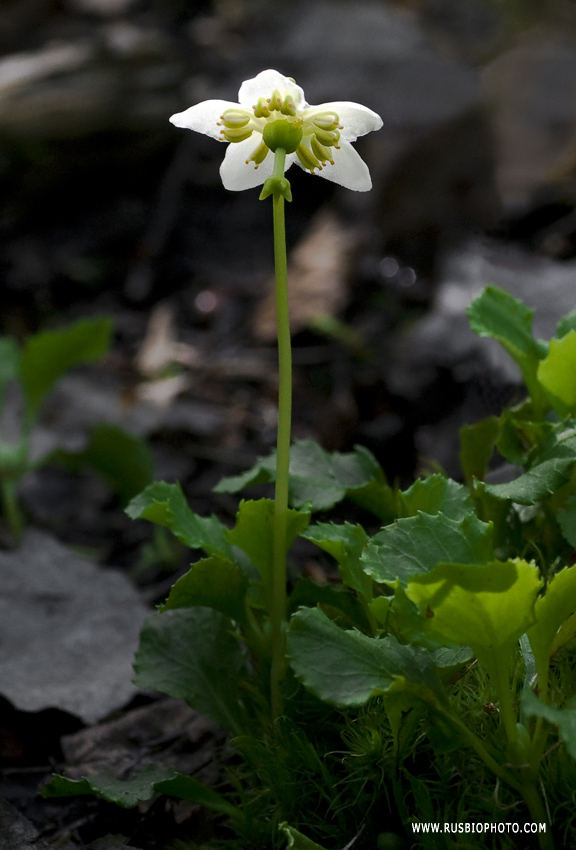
[
  {"x": 497, "y": 314},
  {"x": 297, "y": 841},
  {"x": 165, "y": 504},
  {"x": 122, "y": 459},
  {"x": 125, "y": 793},
  {"x": 487, "y": 607},
  {"x": 435, "y": 494},
  {"x": 551, "y": 468},
  {"x": 48, "y": 355},
  {"x": 477, "y": 443},
  {"x": 563, "y": 718},
  {"x": 215, "y": 582},
  {"x": 253, "y": 533},
  {"x": 345, "y": 543},
  {"x": 536, "y": 484},
  {"x": 416, "y": 544},
  {"x": 191, "y": 653},
  {"x": 557, "y": 373},
  {"x": 347, "y": 668},
  {"x": 318, "y": 479},
  {"x": 142, "y": 786},
  {"x": 551, "y": 611}
]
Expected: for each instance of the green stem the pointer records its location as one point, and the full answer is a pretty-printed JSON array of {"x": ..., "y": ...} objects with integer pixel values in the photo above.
[
  {"x": 527, "y": 790},
  {"x": 538, "y": 814},
  {"x": 11, "y": 508},
  {"x": 278, "y": 598}
]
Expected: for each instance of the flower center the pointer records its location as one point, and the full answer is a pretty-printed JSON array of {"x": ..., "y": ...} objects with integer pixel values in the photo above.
[{"x": 311, "y": 137}]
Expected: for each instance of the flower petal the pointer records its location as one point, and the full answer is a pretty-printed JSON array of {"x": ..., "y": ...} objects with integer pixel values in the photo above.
[
  {"x": 264, "y": 84},
  {"x": 236, "y": 175},
  {"x": 203, "y": 117},
  {"x": 349, "y": 169},
  {"x": 356, "y": 119}
]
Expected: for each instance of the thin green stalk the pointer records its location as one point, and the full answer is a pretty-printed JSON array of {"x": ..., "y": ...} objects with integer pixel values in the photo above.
[
  {"x": 11, "y": 508},
  {"x": 535, "y": 806},
  {"x": 278, "y": 598},
  {"x": 527, "y": 790}
]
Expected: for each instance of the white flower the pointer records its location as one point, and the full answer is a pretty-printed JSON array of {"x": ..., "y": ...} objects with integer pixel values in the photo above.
[{"x": 327, "y": 132}]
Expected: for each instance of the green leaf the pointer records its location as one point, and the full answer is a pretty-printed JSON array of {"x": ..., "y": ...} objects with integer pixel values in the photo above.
[
  {"x": 165, "y": 504},
  {"x": 337, "y": 600},
  {"x": 566, "y": 324},
  {"x": 187, "y": 788},
  {"x": 536, "y": 484},
  {"x": 297, "y": 841},
  {"x": 345, "y": 543},
  {"x": 563, "y": 718},
  {"x": 497, "y": 314},
  {"x": 153, "y": 779},
  {"x": 191, "y": 653},
  {"x": 551, "y": 466},
  {"x": 214, "y": 582},
  {"x": 347, "y": 668},
  {"x": 416, "y": 544},
  {"x": 487, "y": 607},
  {"x": 125, "y": 793},
  {"x": 557, "y": 373},
  {"x": 377, "y": 496},
  {"x": 122, "y": 459},
  {"x": 318, "y": 479},
  {"x": 520, "y": 433},
  {"x": 253, "y": 533},
  {"x": 477, "y": 443},
  {"x": 566, "y": 517},
  {"x": 551, "y": 610},
  {"x": 435, "y": 494},
  {"x": 48, "y": 355}
]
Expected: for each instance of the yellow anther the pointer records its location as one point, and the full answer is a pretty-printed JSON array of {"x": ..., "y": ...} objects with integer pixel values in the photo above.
[
  {"x": 307, "y": 158},
  {"x": 288, "y": 107},
  {"x": 326, "y": 121},
  {"x": 320, "y": 151},
  {"x": 234, "y": 118},
  {"x": 276, "y": 100},
  {"x": 262, "y": 110},
  {"x": 236, "y": 134},
  {"x": 259, "y": 155},
  {"x": 327, "y": 137}
]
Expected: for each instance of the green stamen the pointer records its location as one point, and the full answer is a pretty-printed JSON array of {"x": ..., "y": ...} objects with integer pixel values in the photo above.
[
  {"x": 320, "y": 151},
  {"x": 307, "y": 158},
  {"x": 326, "y": 121},
  {"x": 259, "y": 154},
  {"x": 327, "y": 137},
  {"x": 234, "y": 118},
  {"x": 236, "y": 134}
]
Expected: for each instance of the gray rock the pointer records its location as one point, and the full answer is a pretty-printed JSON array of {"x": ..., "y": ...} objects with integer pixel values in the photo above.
[
  {"x": 17, "y": 833},
  {"x": 444, "y": 340},
  {"x": 68, "y": 630},
  {"x": 532, "y": 92}
]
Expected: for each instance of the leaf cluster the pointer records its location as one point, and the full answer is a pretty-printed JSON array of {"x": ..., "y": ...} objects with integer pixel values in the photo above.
[
  {"x": 433, "y": 681},
  {"x": 34, "y": 369}
]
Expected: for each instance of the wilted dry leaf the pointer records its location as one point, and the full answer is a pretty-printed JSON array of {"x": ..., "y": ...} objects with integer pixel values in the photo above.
[{"x": 317, "y": 272}]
